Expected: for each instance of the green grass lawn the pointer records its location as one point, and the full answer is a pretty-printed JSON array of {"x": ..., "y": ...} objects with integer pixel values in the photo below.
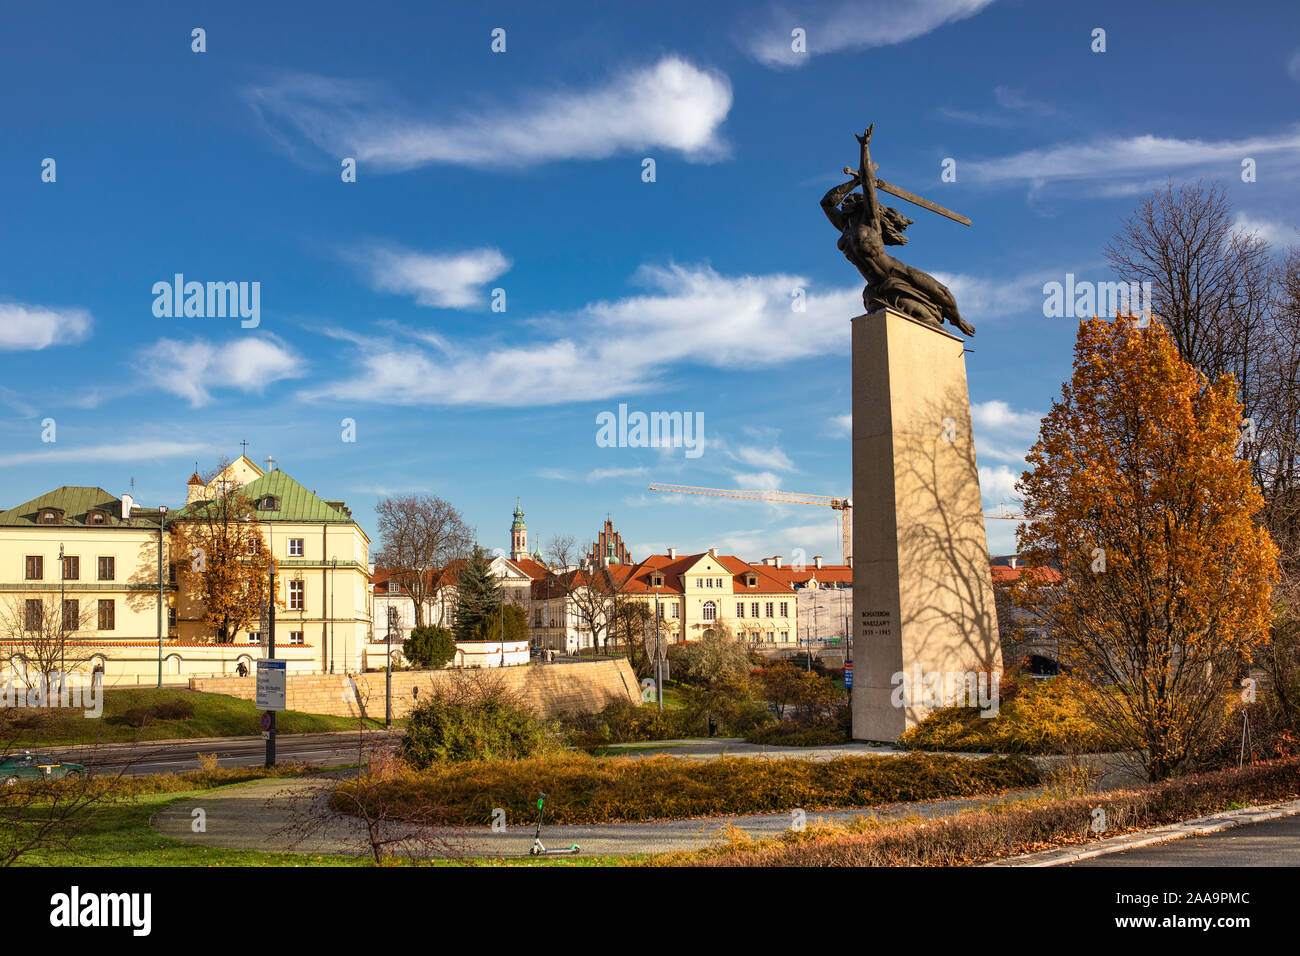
[{"x": 215, "y": 715}]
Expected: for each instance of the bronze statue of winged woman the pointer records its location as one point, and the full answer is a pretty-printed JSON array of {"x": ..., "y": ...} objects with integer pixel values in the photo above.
[{"x": 866, "y": 227}]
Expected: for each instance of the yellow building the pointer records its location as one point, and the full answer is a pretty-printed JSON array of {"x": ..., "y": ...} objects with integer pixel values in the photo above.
[
  {"x": 93, "y": 555},
  {"x": 108, "y": 583},
  {"x": 323, "y": 612},
  {"x": 693, "y": 594}
]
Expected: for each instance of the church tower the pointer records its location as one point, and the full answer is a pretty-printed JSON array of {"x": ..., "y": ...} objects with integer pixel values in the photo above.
[{"x": 518, "y": 535}]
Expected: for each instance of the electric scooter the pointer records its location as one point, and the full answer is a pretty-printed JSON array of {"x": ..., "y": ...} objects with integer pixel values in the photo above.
[{"x": 538, "y": 849}]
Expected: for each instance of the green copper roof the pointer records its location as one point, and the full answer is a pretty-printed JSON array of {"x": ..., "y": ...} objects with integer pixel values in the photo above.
[
  {"x": 292, "y": 502},
  {"x": 76, "y": 501},
  {"x": 518, "y": 524}
]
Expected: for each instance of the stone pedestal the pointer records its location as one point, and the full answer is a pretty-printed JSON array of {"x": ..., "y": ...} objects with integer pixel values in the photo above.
[{"x": 922, "y": 590}]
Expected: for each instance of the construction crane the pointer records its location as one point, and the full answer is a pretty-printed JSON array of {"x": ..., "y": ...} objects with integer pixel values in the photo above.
[
  {"x": 1004, "y": 513},
  {"x": 843, "y": 506}
]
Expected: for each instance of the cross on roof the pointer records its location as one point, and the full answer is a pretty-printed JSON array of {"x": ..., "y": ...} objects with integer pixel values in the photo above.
[{"x": 244, "y": 445}]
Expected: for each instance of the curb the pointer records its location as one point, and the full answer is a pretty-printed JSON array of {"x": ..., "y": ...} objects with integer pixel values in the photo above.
[
  {"x": 1200, "y": 826},
  {"x": 179, "y": 741}
]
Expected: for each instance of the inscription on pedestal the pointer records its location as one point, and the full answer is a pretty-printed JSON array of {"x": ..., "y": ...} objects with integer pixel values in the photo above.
[{"x": 877, "y": 624}]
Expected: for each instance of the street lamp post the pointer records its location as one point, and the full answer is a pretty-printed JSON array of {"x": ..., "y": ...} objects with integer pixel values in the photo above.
[
  {"x": 388, "y": 670},
  {"x": 63, "y": 610},
  {"x": 162, "y": 518},
  {"x": 659, "y": 657}
]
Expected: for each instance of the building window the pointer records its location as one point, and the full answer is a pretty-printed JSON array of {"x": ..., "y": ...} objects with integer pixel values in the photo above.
[
  {"x": 752, "y": 581},
  {"x": 710, "y": 611},
  {"x": 97, "y": 517},
  {"x": 171, "y": 617},
  {"x": 35, "y": 567},
  {"x": 675, "y": 611},
  {"x": 699, "y": 582},
  {"x": 49, "y": 517},
  {"x": 657, "y": 581},
  {"x": 295, "y": 547},
  {"x": 32, "y": 614},
  {"x": 295, "y": 637},
  {"x": 768, "y": 609},
  {"x": 71, "y": 567},
  {"x": 255, "y": 637},
  {"x": 740, "y": 609},
  {"x": 171, "y": 574},
  {"x": 393, "y": 587},
  {"x": 708, "y": 582},
  {"x": 785, "y": 609},
  {"x": 719, "y": 582},
  {"x": 107, "y": 568},
  {"x": 753, "y": 609},
  {"x": 771, "y": 637},
  {"x": 785, "y": 637},
  {"x": 71, "y": 615},
  {"x": 295, "y": 595},
  {"x": 107, "y": 618}
]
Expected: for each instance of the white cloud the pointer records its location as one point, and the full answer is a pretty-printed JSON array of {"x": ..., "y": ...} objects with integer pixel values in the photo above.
[
  {"x": 757, "y": 480},
  {"x": 451, "y": 281},
  {"x": 117, "y": 451},
  {"x": 31, "y": 327},
  {"x": 1270, "y": 230},
  {"x": 842, "y": 424},
  {"x": 669, "y": 105},
  {"x": 1110, "y": 159},
  {"x": 998, "y": 485},
  {"x": 999, "y": 416},
  {"x": 834, "y": 26},
  {"x": 757, "y": 457},
  {"x": 691, "y": 315},
  {"x": 605, "y": 474},
  {"x": 193, "y": 369}
]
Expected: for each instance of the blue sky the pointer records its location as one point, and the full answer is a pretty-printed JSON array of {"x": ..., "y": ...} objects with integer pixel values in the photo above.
[{"x": 522, "y": 171}]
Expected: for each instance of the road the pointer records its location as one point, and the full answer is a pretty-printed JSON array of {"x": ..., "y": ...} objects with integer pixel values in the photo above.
[
  {"x": 1270, "y": 843},
  {"x": 135, "y": 760}
]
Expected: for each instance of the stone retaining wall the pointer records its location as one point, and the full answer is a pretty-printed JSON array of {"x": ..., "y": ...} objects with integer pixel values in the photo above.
[{"x": 549, "y": 689}]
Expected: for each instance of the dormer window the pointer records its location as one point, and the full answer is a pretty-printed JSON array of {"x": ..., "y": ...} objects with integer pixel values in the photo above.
[
  {"x": 268, "y": 503},
  {"x": 658, "y": 580},
  {"x": 96, "y": 517},
  {"x": 751, "y": 580},
  {"x": 51, "y": 516}
]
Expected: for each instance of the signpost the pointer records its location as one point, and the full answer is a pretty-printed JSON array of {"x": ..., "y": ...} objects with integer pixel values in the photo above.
[
  {"x": 848, "y": 675},
  {"x": 271, "y": 684}
]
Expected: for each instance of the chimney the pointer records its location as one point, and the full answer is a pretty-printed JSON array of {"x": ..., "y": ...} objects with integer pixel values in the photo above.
[
  {"x": 672, "y": 554},
  {"x": 713, "y": 552},
  {"x": 848, "y": 559},
  {"x": 776, "y": 561},
  {"x": 817, "y": 560},
  {"x": 127, "y": 504}
]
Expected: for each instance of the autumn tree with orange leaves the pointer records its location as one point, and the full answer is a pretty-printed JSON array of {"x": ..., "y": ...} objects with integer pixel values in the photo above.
[
  {"x": 1140, "y": 499},
  {"x": 223, "y": 563}
]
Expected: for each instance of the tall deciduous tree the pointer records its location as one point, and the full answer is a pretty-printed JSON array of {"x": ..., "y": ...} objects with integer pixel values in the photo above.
[
  {"x": 419, "y": 534},
  {"x": 1232, "y": 309},
  {"x": 222, "y": 561},
  {"x": 1140, "y": 501}
]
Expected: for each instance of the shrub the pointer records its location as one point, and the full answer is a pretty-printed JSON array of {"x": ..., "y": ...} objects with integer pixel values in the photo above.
[
  {"x": 472, "y": 717},
  {"x": 139, "y": 716},
  {"x": 978, "y": 837},
  {"x": 1044, "y": 717},
  {"x": 174, "y": 710},
  {"x": 623, "y": 722},
  {"x": 581, "y": 789},
  {"x": 429, "y": 646},
  {"x": 489, "y": 628}
]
